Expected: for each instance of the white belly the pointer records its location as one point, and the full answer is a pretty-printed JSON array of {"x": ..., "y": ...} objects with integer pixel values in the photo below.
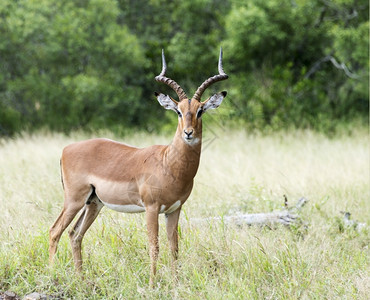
[
  {"x": 171, "y": 209},
  {"x": 112, "y": 191},
  {"x": 132, "y": 208},
  {"x": 128, "y": 208}
]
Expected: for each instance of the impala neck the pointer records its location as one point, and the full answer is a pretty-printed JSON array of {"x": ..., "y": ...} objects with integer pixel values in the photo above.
[{"x": 182, "y": 158}]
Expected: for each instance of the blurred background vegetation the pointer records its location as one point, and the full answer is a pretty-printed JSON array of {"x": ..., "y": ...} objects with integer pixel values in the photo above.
[{"x": 67, "y": 65}]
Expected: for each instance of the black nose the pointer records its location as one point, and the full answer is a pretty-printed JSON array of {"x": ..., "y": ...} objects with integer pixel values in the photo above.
[{"x": 188, "y": 133}]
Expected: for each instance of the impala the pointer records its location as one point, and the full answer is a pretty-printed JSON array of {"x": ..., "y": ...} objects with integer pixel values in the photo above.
[{"x": 157, "y": 179}]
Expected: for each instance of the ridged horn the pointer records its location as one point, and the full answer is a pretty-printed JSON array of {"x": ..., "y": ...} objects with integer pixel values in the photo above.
[
  {"x": 171, "y": 83},
  {"x": 221, "y": 76}
]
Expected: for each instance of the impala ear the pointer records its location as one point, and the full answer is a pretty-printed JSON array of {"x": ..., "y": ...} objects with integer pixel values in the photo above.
[
  {"x": 166, "y": 101},
  {"x": 214, "y": 101}
]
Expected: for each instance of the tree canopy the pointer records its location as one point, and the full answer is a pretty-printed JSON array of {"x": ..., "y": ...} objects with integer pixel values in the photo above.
[{"x": 90, "y": 64}]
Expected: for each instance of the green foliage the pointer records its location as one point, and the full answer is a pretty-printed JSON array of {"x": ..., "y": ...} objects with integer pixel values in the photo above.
[
  {"x": 69, "y": 64},
  {"x": 286, "y": 47}
]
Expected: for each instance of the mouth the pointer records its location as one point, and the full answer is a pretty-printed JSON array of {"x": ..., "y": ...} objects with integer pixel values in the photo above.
[{"x": 190, "y": 140}]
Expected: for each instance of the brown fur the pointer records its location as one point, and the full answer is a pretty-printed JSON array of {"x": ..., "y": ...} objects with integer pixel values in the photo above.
[
  {"x": 157, "y": 175},
  {"x": 100, "y": 172}
]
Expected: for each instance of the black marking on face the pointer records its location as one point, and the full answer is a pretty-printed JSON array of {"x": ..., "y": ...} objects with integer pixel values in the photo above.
[{"x": 179, "y": 113}]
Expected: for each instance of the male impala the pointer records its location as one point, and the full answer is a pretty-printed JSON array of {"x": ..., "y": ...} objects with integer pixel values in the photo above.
[{"x": 157, "y": 179}]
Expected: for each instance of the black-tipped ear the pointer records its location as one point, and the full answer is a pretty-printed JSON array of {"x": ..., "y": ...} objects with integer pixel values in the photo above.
[
  {"x": 224, "y": 93},
  {"x": 156, "y": 94}
]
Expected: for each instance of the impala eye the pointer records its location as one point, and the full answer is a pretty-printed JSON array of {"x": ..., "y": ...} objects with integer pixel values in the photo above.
[
  {"x": 179, "y": 113},
  {"x": 199, "y": 113}
]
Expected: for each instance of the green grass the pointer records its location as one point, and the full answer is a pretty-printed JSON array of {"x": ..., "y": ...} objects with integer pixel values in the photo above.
[{"x": 238, "y": 172}]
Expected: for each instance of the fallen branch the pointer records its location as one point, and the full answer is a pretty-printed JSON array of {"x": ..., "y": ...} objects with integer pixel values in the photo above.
[
  {"x": 340, "y": 66},
  {"x": 288, "y": 216},
  {"x": 348, "y": 223}
]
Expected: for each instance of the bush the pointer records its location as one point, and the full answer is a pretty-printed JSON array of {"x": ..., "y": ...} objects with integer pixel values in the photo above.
[{"x": 69, "y": 64}]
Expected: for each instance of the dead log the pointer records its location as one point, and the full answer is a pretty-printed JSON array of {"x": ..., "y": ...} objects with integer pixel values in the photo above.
[
  {"x": 349, "y": 223},
  {"x": 288, "y": 216}
]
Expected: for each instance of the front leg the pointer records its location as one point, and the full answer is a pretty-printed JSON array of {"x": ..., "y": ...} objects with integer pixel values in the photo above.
[
  {"x": 152, "y": 226},
  {"x": 172, "y": 222}
]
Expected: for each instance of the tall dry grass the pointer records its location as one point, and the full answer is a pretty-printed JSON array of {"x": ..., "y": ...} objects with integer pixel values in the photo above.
[{"x": 238, "y": 173}]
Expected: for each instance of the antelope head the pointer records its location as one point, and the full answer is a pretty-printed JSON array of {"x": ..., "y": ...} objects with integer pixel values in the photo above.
[{"x": 190, "y": 110}]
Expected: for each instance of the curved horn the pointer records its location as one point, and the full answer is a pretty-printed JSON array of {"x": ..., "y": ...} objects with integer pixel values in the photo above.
[
  {"x": 171, "y": 83},
  {"x": 221, "y": 76}
]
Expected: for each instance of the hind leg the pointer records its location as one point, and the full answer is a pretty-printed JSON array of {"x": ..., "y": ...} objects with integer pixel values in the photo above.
[
  {"x": 76, "y": 234},
  {"x": 70, "y": 210},
  {"x": 55, "y": 232}
]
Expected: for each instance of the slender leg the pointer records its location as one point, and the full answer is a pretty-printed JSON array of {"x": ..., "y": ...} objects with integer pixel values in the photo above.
[
  {"x": 172, "y": 221},
  {"x": 64, "y": 219},
  {"x": 78, "y": 231},
  {"x": 152, "y": 226}
]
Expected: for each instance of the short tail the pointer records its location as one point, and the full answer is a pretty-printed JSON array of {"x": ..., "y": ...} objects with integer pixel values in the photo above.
[{"x": 61, "y": 173}]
